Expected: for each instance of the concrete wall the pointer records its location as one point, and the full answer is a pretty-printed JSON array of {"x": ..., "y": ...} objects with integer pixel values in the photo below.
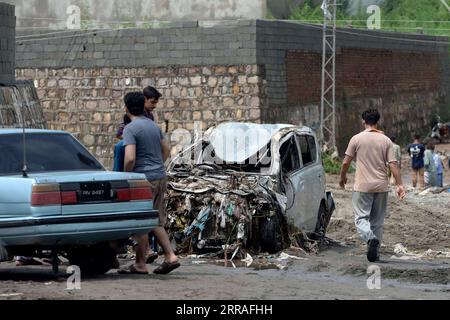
[
  {"x": 180, "y": 43},
  {"x": 96, "y": 13},
  {"x": 7, "y": 43},
  {"x": 261, "y": 71}
]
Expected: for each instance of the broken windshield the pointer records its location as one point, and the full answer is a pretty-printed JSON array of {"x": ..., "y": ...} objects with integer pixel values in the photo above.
[{"x": 234, "y": 146}]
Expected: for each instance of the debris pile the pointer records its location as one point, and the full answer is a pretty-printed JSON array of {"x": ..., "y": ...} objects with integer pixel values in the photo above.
[
  {"x": 402, "y": 253},
  {"x": 209, "y": 212},
  {"x": 434, "y": 190}
]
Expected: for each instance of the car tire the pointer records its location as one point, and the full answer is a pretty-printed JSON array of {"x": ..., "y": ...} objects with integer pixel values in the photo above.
[
  {"x": 95, "y": 260},
  {"x": 322, "y": 224},
  {"x": 269, "y": 229}
]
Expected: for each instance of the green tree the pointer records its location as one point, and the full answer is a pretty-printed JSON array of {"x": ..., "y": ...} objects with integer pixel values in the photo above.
[{"x": 431, "y": 16}]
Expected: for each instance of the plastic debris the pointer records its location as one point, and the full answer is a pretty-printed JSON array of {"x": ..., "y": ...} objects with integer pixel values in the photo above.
[
  {"x": 248, "y": 260},
  {"x": 285, "y": 256},
  {"x": 8, "y": 295},
  {"x": 402, "y": 253}
]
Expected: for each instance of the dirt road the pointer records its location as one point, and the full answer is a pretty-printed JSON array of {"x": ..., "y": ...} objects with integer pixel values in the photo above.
[{"x": 419, "y": 269}]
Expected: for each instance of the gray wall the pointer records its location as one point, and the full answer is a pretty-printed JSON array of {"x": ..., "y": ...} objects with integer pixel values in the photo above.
[
  {"x": 181, "y": 43},
  {"x": 96, "y": 13},
  {"x": 7, "y": 43},
  {"x": 262, "y": 42}
]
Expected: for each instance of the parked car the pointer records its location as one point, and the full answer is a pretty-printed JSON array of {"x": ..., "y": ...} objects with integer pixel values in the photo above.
[
  {"x": 248, "y": 184},
  {"x": 66, "y": 202}
]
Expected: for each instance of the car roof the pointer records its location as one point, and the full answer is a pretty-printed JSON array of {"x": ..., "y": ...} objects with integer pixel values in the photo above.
[
  {"x": 249, "y": 138},
  {"x": 20, "y": 131}
]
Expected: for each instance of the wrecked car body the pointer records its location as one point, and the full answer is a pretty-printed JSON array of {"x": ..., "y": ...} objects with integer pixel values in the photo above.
[{"x": 256, "y": 186}]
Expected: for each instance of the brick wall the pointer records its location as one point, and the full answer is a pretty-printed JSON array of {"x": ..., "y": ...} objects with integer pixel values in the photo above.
[
  {"x": 383, "y": 78},
  {"x": 406, "y": 76}
]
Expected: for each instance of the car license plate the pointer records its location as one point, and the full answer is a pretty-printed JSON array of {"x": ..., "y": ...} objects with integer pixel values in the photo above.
[{"x": 94, "y": 191}]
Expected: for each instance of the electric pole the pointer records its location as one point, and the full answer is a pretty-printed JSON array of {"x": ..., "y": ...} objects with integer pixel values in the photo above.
[{"x": 328, "y": 98}]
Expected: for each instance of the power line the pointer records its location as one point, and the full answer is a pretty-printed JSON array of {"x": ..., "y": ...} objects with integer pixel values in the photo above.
[
  {"x": 95, "y": 31},
  {"x": 406, "y": 21},
  {"x": 378, "y": 36},
  {"x": 51, "y": 33},
  {"x": 72, "y": 36}
]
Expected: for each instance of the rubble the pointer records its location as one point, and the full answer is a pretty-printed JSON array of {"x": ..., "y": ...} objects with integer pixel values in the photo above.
[
  {"x": 211, "y": 212},
  {"x": 402, "y": 253},
  {"x": 434, "y": 190}
]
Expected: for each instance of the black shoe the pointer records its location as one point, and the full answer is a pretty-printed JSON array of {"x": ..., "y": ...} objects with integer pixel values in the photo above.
[{"x": 372, "y": 250}]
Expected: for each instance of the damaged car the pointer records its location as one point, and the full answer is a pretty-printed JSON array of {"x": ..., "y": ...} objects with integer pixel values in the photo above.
[{"x": 259, "y": 187}]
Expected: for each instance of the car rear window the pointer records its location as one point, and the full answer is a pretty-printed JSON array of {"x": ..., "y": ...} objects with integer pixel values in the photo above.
[{"x": 45, "y": 153}]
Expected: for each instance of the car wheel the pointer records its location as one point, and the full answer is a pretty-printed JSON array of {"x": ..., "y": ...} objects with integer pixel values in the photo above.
[
  {"x": 322, "y": 224},
  {"x": 95, "y": 260},
  {"x": 269, "y": 239}
]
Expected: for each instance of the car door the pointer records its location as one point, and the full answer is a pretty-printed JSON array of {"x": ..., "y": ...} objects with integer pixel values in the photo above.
[
  {"x": 291, "y": 183},
  {"x": 312, "y": 179}
]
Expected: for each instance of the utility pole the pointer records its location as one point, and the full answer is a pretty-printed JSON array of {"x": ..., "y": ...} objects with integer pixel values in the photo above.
[{"x": 328, "y": 98}]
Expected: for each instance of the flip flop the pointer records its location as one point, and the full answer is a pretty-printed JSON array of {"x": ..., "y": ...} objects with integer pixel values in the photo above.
[
  {"x": 166, "y": 267},
  {"x": 131, "y": 270},
  {"x": 152, "y": 258}
]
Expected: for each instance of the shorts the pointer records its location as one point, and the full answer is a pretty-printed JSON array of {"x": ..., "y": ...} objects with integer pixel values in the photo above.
[{"x": 159, "y": 188}]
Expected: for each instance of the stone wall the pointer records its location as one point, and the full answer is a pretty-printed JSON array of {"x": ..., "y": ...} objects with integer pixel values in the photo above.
[
  {"x": 260, "y": 71},
  {"x": 7, "y": 43},
  {"x": 89, "y": 102}
]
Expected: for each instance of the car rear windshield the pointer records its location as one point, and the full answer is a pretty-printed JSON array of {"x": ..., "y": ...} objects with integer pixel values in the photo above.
[{"x": 45, "y": 153}]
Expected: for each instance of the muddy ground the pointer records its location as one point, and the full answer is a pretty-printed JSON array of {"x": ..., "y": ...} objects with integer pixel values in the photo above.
[{"x": 419, "y": 269}]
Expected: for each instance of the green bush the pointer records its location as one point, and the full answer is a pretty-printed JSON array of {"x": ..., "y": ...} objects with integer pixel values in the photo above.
[
  {"x": 431, "y": 16},
  {"x": 333, "y": 165}
]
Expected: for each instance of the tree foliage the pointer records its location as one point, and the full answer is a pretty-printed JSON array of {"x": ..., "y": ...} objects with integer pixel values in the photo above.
[{"x": 427, "y": 16}]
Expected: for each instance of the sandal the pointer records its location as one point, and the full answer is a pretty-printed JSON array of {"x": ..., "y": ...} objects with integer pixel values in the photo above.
[
  {"x": 166, "y": 267},
  {"x": 152, "y": 258},
  {"x": 131, "y": 270}
]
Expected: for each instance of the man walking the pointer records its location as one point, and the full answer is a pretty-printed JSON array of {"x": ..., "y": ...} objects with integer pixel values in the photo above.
[
  {"x": 416, "y": 151},
  {"x": 372, "y": 151},
  {"x": 145, "y": 152},
  {"x": 398, "y": 155}
]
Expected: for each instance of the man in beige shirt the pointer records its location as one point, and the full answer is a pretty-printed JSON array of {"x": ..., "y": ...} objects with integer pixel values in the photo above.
[{"x": 373, "y": 152}]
